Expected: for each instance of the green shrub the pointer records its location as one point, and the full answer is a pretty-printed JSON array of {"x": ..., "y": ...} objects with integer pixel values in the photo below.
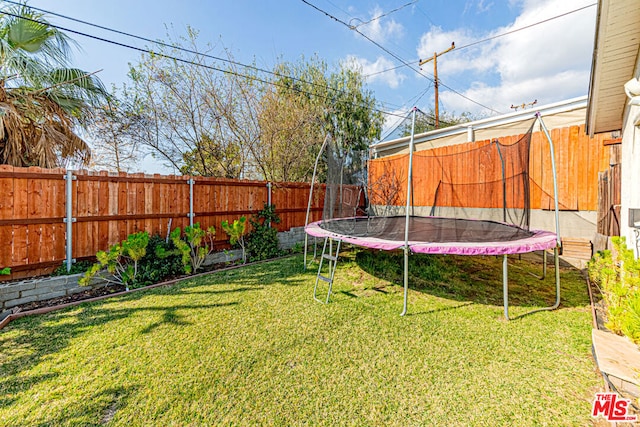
[
  {"x": 262, "y": 241},
  {"x": 5, "y": 271},
  {"x": 236, "y": 231},
  {"x": 121, "y": 260},
  {"x": 161, "y": 262},
  {"x": 194, "y": 246},
  {"x": 617, "y": 272}
]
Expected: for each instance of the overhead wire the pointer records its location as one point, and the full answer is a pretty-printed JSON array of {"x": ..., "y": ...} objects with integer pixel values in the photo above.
[
  {"x": 506, "y": 33},
  {"x": 418, "y": 71},
  {"x": 458, "y": 48},
  {"x": 168, "y": 45},
  {"x": 382, "y": 15},
  {"x": 175, "y": 58}
]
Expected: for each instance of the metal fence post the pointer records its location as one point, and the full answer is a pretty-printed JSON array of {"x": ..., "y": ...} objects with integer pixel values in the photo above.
[
  {"x": 269, "y": 199},
  {"x": 69, "y": 219},
  {"x": 191, "y": 214}
]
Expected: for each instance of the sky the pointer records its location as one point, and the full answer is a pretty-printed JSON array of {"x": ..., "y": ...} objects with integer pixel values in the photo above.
[{"x": 500, "y": 58}]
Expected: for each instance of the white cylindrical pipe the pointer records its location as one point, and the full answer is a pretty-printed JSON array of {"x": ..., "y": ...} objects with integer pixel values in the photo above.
[{"x": 407, "y": 214}]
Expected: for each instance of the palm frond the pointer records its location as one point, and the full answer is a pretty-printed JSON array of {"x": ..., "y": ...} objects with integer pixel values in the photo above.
[{"x": 42, "y": 97}]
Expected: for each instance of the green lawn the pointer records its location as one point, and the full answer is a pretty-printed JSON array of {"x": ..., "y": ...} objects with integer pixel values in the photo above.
[{"x": 251, "y": 347}]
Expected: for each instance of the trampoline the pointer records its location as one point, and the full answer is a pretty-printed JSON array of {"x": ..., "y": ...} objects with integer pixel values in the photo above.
[
  {"x": 435, "y": 235},
  {"x": 505, "y": 195}
]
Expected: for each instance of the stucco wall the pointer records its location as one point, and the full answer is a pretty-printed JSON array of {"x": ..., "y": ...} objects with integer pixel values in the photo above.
[{"x": 630, "y": 185}]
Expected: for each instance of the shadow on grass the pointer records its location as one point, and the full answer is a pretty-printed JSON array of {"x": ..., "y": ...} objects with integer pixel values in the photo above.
[
  {"x": 190, "y": 290},
  {"x": 437, "y": 310},
  {"x": 26, "y": 342},
  {"x": 103, "y": 404},
  {"x": 287, "y": 272},
  {"x": 478, "y": 279}
]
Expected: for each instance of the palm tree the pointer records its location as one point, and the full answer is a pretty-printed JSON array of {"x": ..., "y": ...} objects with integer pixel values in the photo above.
[{"x": 42, "y": 98}]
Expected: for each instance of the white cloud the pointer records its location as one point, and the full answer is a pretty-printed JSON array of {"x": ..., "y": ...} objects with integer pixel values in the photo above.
[
  {"x": 548, "y": 62},
  {"x": 374, "y": 70},
  {"x": 381, "y": 30}
]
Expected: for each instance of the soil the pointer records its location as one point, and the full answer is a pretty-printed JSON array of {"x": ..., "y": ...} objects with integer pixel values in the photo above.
[
  {"x": 80, "y": 296},
  {"x": 104, "y": 290}
]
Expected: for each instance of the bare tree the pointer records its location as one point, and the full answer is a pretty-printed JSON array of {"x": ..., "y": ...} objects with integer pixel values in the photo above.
[
  {"x": 114, "y": 145},
  {"x": 192, "y": 115}
]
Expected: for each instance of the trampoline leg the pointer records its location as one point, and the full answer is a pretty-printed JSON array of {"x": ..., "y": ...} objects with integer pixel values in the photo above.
[
  {"x": 315, "y": 288},
  {"x": 544, "y": 267},
  {"x": 505, "y": 286},
  {"x": 306, "y": 241},
  {"x": 406, "y": 280},
  {"x": 557, "y": 267}
]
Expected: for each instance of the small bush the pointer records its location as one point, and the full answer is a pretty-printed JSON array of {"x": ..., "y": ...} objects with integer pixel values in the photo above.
[
  {"x": 617, "y": 272},
  {"x": 161, "y": 262},
  {"x": 194, "y": 247},
  {"x": 236, "y": 231},
  {"x": 121, "y": 261},
  {"x": 5, "y": 271},
  {"x": 262, "y": 241}
]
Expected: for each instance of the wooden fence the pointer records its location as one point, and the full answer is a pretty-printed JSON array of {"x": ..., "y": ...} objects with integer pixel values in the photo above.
[
  {"x": 579, "y": 159},
  {"x": 609, "y": 192},
  {"x": 107, "y": 207}
]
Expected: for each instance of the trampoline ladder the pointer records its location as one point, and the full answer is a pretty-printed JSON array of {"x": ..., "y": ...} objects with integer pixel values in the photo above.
[{"x": 332, "y": 258}]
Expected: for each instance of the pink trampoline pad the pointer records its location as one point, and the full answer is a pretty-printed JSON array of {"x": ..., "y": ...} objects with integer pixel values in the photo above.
[{"x": 435, "y": 235}]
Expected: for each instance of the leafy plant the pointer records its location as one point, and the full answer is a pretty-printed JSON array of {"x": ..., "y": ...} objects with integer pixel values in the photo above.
[
  {"x": 196, "y": 245},
  {"x": 236, "y": 231},
  {"x": 262, "y": 241},
  {"x": 162, "y": 261},
  {"x": 5, "y": 271},
  {"x": 121, "y": 260},
  {"x": 617, "y": 272}
]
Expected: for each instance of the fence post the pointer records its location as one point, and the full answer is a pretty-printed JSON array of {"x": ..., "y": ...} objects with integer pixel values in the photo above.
[
  {"x": 269, "y": 199},
  {"x": 191, "y": 214},
  {"x": 69, "y": 219}
]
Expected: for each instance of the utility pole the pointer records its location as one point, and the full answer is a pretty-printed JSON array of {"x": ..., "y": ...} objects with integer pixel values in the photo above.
[{"x": 435, "y": 76}]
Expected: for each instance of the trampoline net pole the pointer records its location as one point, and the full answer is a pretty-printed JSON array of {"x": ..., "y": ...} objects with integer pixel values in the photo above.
[
  {"x": 555, "y": 176},
  {"x": 407, "y": 212},
  {"x": 313, "y": 180}
]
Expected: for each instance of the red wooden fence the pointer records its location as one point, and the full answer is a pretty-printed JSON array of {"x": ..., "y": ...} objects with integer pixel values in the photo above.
[
  {"x": 579, "y": 159},
  {"x": 107, "y": 207}
]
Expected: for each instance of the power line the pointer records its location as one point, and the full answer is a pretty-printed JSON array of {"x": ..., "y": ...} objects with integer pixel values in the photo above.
[
  {"x": 393, "y": 54},
  {"x": 184, "y": 61},
  {"x": 351, "y": 27},
  {"x": 382, "y": 15},
  {"x": 502, "y": 34},
  {"x": 525, "y": 27},
  {"x": 384, "y": 71},
  {"x": 171, "y": 46}
]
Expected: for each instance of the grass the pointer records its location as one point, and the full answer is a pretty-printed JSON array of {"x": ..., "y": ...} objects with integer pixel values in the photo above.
[{"x": 251, "y": 347}]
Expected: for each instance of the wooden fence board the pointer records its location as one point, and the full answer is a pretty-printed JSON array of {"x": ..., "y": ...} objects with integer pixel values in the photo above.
[
  {"x": 37, "y": 197},
  {"x": 578, "y": 161}
]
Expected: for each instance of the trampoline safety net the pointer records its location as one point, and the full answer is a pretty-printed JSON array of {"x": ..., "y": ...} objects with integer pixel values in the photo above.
[{"x": 483, "y": 180}]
